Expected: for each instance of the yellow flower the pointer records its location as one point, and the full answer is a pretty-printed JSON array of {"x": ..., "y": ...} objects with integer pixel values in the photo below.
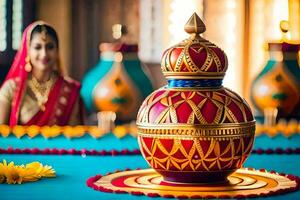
[
  {"x": 40, "y": 170},
  {"x": 13, "y": 174},
  {"x": 47, "y": 171},
  {"x": 2, "y": 178},
  {"x": 2, "y": 169}
]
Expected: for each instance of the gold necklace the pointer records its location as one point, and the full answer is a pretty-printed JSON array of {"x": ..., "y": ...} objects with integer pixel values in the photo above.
[{"x": 41, "y": 90}]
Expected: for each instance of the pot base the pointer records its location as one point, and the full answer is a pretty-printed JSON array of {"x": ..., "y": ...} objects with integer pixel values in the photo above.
[{"x": 196, "y": 177}]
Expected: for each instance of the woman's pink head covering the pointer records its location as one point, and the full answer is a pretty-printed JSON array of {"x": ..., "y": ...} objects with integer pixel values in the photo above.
[{"x": 18, "y": 73}]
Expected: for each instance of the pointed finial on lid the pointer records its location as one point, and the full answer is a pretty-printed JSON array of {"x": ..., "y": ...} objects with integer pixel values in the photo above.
[
  {"x": 284, "y": 26},
  {"x": 194, "y": 25}
]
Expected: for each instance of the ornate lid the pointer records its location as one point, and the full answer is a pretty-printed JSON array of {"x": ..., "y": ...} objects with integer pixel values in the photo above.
[
  {"x": 284, "y": 45},
  {"x": 195, "y": 57},
  {"x": 119, "y": 33},
  {"x": 118, "y": 47}
]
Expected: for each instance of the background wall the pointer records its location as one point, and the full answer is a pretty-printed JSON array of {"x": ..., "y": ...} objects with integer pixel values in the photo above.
[
  {"x": 58, "y": 14},
  {"x": 92, "y": 22},
  {"x": 241, "y": 28},
  {"x": 83, "y": 24}
]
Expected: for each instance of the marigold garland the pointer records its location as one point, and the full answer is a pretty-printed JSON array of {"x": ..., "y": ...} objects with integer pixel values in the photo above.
[
  {"x": 68, "y": 131},
  {"x": 17, "y": 174},
  {"x": 286, "y": 128}
]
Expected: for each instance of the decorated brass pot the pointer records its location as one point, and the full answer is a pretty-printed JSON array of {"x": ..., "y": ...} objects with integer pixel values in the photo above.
[{"x": 194, "y": 129}]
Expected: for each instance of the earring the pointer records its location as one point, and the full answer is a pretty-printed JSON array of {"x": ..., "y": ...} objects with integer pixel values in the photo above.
[{"x": 28, "y": 66}]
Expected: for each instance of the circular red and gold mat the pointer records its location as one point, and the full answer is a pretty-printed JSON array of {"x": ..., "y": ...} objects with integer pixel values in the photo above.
[{"x": 243, "y": 183}]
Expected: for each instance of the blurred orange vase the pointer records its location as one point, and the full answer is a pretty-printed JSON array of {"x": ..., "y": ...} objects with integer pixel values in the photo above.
[{"x": 277, "y": 86}]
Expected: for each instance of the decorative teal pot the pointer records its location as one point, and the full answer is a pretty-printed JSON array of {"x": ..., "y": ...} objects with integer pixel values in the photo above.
[
  {"x": 277, "y": 86},
  {"x": 117, "y": 83}
]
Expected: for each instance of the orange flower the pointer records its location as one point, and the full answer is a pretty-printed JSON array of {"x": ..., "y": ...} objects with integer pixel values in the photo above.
[
  {"x": 78, "y": 131},
  {"x": 95, "y": 131},
  {"x": 33, "y": 130},
  {"x": 68, "y": 131},
  {"x": 120, "y": 131},
  {"x": 55, "y": 131},
  {"x": 19, "y": 131},
  {"x": 4, "y": 130},
  {"x": 46, "y": 131}
]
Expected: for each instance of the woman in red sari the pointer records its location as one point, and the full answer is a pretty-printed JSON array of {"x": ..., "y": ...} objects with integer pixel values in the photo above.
[{"x": 34, "y": 91}]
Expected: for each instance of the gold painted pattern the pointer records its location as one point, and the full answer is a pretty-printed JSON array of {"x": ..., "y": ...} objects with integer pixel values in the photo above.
[
  {"x": 179, "y": 62},
  {"x": 185, "y": 57},
  {"x": 222, "y": 130},
  {"x": 220, "y": 100},
  {"x": 217, "y": 60},
  {"x": 196, "y": 157},
  {"x": 190, "y": 64},
  {"x": 193, "y": 75}
]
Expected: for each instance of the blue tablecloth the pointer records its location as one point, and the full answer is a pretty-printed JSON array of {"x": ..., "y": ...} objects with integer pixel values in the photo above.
[{"x": 73, "y": 171}]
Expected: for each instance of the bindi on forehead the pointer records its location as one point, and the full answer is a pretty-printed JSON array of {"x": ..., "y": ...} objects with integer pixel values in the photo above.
[
  {"x": 42, "y": 39},
  {"x": 44, "y": 33}
]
